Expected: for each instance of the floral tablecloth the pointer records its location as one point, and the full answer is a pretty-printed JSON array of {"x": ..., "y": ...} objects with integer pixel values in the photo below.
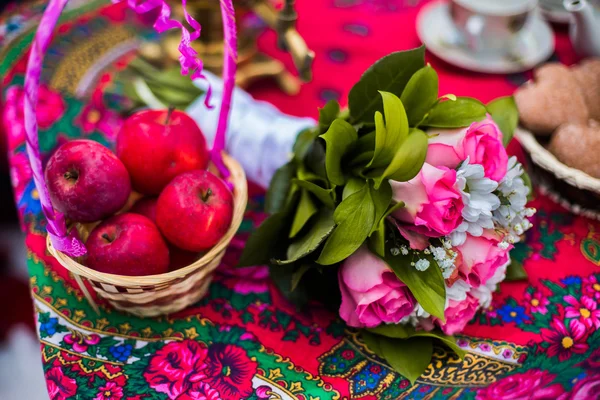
[{"x": 539, "y": 339}]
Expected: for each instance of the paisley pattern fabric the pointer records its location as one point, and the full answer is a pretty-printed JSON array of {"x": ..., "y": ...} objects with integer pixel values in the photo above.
[{"x": 539, "y": 339}]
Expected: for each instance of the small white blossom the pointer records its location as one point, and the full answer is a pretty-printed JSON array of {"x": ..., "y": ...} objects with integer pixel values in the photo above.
[
  {"x": 512, "y": 214},
  {"x": 404, "y": 250},
  {"x": 422, "y": 264},
  {"x": 395, "y": 251},
  {"x": 479, "y": 201}
]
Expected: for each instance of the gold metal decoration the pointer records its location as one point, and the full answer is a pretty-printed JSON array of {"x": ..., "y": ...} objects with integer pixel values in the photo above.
[{"x": 252, "y": 64}]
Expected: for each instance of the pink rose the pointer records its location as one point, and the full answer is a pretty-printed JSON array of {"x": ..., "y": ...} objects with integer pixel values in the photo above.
[
  {"x": 433, "y": 203},
  {"x": 371, "y": 292},
  {"x": 586, "y": 388},
  {"x": 480, "y": 257},
  {"x": 532, "y": 385},
  {"x": 458, "y": 314},
  {"x": 481, "y": 142}
]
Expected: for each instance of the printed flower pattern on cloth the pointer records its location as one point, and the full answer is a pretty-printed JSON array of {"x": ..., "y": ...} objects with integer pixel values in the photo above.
[
  {"x": 79, "y": 342},
  {"x": 230, "y": 371},
  {"x": 177, "y": 367},
  {"x": 110, "y": 391},
  {"x": 565, "y": 340},
  {"x": 584, "y": 311},
  {"x": 60, "y": 387},
  {"x": 532, "y": 385},
  {"x": 537, "y": 302}
]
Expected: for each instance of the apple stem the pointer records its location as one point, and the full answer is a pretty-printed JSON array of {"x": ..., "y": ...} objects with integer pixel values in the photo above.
[
  {"x": 169, "y": 113},
  {"x": 205, "y": 196},
  {"x": 106, "y": 237}
]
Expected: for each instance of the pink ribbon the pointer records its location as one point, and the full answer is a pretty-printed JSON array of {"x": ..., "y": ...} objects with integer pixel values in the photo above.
[{"x": 60, "y": 237}]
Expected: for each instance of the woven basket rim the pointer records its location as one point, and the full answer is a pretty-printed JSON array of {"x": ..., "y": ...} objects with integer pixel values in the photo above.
[
  {"x": 543, "y": 158},
  {"x": 240, "y": 198}
]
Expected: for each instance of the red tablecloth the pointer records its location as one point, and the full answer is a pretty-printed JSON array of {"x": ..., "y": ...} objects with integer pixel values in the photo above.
[{"x": 538, "y": 340}]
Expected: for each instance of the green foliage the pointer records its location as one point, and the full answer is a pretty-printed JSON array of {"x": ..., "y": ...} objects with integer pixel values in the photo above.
[
  {"x": 279, "y": 188},
  {"x": 420, "y": 94},
  {"x": 455, "y": 113},
  {"x": 505, "y": 113},
  {"x": 427, "y": 286},
  {"x": 391, "y": 73},
  {"x": 339, "y": 138}
]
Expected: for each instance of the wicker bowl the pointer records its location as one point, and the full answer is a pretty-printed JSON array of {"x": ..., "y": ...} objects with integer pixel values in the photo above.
[
  {"x": 572, "y": 188},
  {"x": 153, "y": 295}
]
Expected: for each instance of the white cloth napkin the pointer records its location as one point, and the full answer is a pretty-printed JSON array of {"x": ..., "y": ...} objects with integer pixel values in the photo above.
[{"x": 259, "y": 136}]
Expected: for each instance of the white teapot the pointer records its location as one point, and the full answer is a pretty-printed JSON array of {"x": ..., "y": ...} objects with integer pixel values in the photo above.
[{"x": 585, "y": 27}]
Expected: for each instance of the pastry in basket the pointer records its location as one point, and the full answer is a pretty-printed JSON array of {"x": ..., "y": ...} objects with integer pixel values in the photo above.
[
  {"x": 587, "y": 74},
  {"x": 578, "y": 145},
  {"x": 553, "y": 98}
]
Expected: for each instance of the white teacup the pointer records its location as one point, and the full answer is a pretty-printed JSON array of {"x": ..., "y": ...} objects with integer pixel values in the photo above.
[{"x": 491, "y": 25}]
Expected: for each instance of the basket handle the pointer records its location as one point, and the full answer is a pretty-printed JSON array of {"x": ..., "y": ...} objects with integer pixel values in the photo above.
[{"x": 61, "y": 238}]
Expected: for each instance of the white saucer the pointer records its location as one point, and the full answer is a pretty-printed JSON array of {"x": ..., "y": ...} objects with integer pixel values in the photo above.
[{"x": 437, "y": 31}]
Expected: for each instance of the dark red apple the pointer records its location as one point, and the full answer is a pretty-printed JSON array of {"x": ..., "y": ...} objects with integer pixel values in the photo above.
[
  {"x": 179, "y": 258},
  {"x": 195, "y": 210},
  {"x": 158, "y": 145},
  {"x": 127, "y": 244},
  {"x": 86, "y": 181},
  {"x": 145, "y": 206}
]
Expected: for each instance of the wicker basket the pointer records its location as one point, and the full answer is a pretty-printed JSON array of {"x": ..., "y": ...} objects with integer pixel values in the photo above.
[
  {"x": 572, "y": 188},
  {"x": 152, "y": 295}
]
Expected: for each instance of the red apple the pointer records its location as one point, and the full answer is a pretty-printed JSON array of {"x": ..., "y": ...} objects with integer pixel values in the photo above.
[
  {"x": 127, "y": 244},
  {"x": 195, "y": 210},
  {"x": 86, "y": 181},
  {"x": 158, "y": 145},
  {"x": 179, "y": 258},
  {"x": 145, "y": 206}
]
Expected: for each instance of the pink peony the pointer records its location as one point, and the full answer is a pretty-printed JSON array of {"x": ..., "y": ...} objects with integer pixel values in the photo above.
[
  {"x": 433, "y": 203},
  {"x": 587, "y": 388},
  {"x": 481, "y": 142},
  {"x": 533, "y": 385},
  {"x": 458, "y": 314},
  {"x": 479, "y": 258},
  {"x": 371, "y": 292}
]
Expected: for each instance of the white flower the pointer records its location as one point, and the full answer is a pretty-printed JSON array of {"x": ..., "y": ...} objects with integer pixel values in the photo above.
[
  {"x": 512, "y": 214},
  {"x": 422, "y": 264},
  {"x": 445, "y": 258},
  {"x": 458, "y": 291},
  {"x": 484, "y": 292},
  {"x": 479, "y": 201}
]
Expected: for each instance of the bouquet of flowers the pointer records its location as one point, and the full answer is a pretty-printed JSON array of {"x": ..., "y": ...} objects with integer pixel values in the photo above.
[{"x": 400, "y": 211}]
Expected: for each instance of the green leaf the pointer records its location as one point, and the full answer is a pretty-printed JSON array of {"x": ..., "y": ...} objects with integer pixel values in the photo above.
[
  {"x": 393, "y": 331},
  {"x": 381, "y": 199},
  {"x": 455, "y": 114},
  {"x": 355, "y": 217},
  {"x": 305, "y": 175},
  {"x": 304, "y": 142},
  {"x": 339, "y": 138},
  {"x": 389, "y": 136},
  {"x": 377, "y": 239},
  {"x": 372, "y": 342},
  {"x": 297, "y": 275},
  {"x": 408, "y": 160},
  {"x": 392, "y": 208},
  {"x": 305, "y": 209},
  {"x": 505, "y": 113},
  {"x": 353, "y": 186},
  {"x": 315, "y": 159},
  {"x": 515, "y": 271},
  {"x": 420, "y": 94},
  {"x": 391, "y": 74},
  {"x": 328, "y": 114},
  {"x": 409, "y": 357},
  {"x": 324, "y": 195},
  {"x": 279, "y": 188},
  {"x": 405, "y": 332},
  {"x": 309, "y": 242},
  {"x": 427, "y": 286},
  {"x": 270, "y": 231}
]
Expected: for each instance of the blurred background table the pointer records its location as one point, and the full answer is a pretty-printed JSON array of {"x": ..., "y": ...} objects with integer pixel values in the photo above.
[{"x": 539, "y": 339}]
